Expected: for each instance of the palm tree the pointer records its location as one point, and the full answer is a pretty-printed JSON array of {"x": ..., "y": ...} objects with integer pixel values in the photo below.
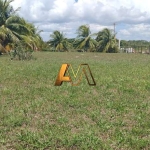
[
  {"x": 58, "y": 41},
  {"x": 84, "y": 39},
  {"x": 31, "y": 39},
  {"x": 14, "y": 29},
  {"x": 6, "y": 10},
  {"x": 106, "y": 41}
]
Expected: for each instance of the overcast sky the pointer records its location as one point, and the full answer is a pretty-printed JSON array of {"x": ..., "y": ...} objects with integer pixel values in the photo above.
[{"x": 132, "y": 17}]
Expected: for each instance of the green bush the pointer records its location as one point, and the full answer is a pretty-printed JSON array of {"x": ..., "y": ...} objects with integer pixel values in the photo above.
[
  {"x": 112, "y": 49},
  {"x": 21, "y": 53}
]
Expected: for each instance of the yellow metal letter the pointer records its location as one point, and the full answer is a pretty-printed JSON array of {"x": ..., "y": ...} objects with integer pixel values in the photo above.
[
  {"x": 61, "y": 75},
  {"x": 65, "y": 69}
]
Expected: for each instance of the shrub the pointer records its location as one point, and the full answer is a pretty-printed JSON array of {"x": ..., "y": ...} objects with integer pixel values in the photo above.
[{"x": 21, "y": 53}]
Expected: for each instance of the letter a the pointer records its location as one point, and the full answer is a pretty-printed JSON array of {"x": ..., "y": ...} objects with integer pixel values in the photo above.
[{"x": 61, "y": 75}]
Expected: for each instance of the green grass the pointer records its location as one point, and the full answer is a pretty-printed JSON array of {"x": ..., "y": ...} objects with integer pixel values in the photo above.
[{"x": 114, "y": 114}]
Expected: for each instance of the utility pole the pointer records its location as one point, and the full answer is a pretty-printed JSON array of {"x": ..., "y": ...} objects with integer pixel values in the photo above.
[
  {"x": 115, "y": 32},
  {"x": 119, "y": 44}
]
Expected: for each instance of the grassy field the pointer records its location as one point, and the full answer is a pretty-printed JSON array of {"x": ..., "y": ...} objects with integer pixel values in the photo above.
[{"x": 113, "y": 115}]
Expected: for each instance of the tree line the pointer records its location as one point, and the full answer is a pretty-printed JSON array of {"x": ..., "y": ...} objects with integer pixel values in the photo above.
[
  {"x": 134, "y": 43},
  {"x": 19, "y": 35},
  {"x": 103, "y": 41},
  {"x": 17, "y": 32}
]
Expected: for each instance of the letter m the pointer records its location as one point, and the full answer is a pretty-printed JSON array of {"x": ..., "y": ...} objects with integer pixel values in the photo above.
[{"x": 64, "y": 75}]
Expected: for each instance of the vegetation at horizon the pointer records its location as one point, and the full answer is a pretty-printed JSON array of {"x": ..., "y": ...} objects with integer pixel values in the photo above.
[
  {"x": 17, "y": 32},
  {"x": 23, "y": 37}
]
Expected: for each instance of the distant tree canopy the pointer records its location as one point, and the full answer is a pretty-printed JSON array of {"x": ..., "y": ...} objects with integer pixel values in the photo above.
[
  {"x": 103, "y": 41},
  {"x": 106, "y": 41},
  {"x": 84, "y": 39},
  {"x": 58, "y": 41},
  {"x": 133, "y": 43}
]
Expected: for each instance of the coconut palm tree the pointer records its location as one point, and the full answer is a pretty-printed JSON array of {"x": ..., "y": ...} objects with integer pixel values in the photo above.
[
  {"x": 106, "y": 41},
  {"x": 84, "y": 39},
  {"x": 6, "y": 10},
  {"x": 58, "y": 41},
  {"x": 32, "y": 38},
  {"x": 14, "y": 29}
]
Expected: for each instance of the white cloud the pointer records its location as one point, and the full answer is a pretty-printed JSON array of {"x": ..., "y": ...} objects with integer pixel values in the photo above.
[
  {"x": 125, "y": 32},
  {"x": 67, "y": 15},
  {"x": 136, "y": 32}
]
